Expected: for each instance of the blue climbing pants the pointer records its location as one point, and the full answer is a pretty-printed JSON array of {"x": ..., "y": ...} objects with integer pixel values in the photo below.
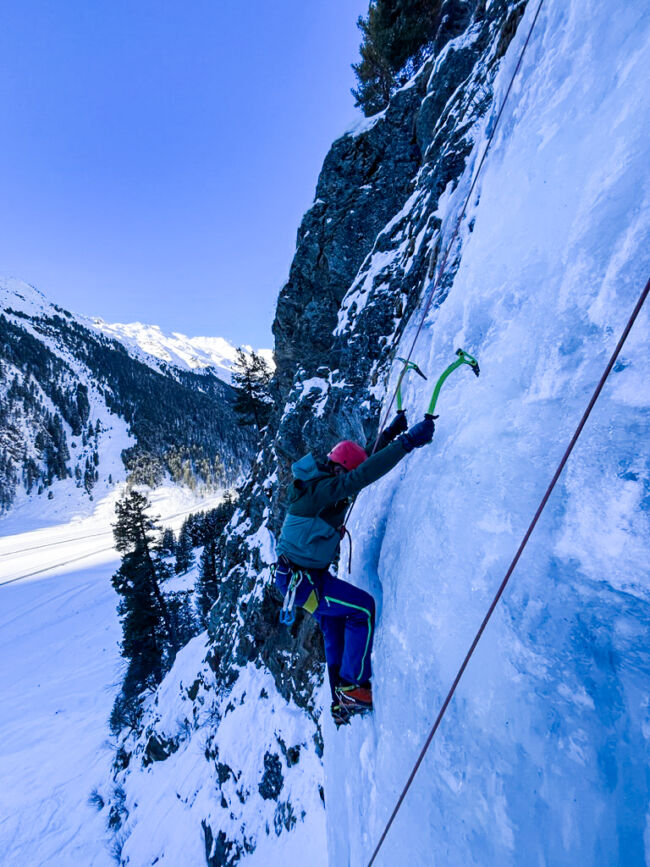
[{"x": 346, "y": 615}]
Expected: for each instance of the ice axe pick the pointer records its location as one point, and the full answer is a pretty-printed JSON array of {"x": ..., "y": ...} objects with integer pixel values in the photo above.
[
  {"x": 463, "y": 358},
  {"x": 406, "y": 366}
]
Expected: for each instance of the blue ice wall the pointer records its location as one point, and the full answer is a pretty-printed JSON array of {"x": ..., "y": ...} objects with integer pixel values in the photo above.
[{"x": 542, "y": 758}]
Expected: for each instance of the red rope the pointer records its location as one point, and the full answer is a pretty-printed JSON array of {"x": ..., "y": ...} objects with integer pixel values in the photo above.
[
  {"x": 502, "y": 586},
  {"x": 436, "y": 282}
]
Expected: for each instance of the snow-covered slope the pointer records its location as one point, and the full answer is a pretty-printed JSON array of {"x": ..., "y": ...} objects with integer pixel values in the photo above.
[
  {"x": 15, "y": 294},
  {"x": 151, "y": 344},
  {"x": 45, "y": 477},
  {"x": 254, "y": 782},
  {"x": 59, "y": 673}
]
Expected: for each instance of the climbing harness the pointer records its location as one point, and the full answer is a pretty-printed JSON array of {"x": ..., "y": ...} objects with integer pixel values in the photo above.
[
  {"x": 463, "y": 358},
  {"x": 407, "y": 365}
]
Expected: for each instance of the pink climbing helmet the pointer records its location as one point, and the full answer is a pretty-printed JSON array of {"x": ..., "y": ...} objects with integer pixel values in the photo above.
[{"x": 348, "y": 454}]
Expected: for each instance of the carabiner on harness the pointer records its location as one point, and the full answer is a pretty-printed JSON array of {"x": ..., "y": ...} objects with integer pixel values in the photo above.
[{"x": 288, "y": 613}]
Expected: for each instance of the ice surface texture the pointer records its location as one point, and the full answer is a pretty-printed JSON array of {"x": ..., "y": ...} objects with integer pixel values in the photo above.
[{"x": 543, "y": 755}]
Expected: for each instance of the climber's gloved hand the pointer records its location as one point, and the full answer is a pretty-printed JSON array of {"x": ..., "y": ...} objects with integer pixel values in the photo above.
[
  {"x": 397, "y": 426},
  {"x": 419, "y": 435}
]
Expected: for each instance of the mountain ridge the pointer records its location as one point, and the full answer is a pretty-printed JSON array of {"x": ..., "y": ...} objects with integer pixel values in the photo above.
[
  {"x": 63, "y": 384},
  {"x": 144, "y": 341}
]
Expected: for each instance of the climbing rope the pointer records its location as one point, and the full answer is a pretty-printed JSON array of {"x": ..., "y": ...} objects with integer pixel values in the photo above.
[
  {"x": 440, "y": 271},
  {"x": 511, "y": 568}
]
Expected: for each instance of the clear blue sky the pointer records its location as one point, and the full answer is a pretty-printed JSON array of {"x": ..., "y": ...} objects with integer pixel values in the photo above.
[{"x": 156, "y": 156}]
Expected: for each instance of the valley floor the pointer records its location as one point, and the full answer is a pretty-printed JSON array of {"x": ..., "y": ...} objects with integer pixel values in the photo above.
[{"x": 59, "y": 670}]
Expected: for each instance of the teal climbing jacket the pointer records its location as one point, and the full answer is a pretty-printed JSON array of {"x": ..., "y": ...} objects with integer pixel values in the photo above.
[{"x": 318, "y": 501}]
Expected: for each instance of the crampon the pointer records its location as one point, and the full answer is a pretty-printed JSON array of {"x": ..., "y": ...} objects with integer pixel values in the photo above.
[{"x": 342, "y": 714}]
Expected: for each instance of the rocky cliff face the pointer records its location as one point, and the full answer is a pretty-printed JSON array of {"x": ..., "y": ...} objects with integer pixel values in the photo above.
[
  {"x": 359, "y": 273},
  {"x": 364, "y": 250}
]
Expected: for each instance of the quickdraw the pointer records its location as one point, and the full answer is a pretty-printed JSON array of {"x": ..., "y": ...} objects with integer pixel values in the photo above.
[{"x": 288, "y": 612}]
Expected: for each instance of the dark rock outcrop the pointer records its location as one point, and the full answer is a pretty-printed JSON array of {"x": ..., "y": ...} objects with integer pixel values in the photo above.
[
  {"x": 365, "y": 252},
  {"x": 272, "y": 780},
  {"x": 364, "y": 181}
]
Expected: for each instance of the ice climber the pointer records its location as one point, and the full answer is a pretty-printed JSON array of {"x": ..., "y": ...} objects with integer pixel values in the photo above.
[{"x": 319, "y": 497}]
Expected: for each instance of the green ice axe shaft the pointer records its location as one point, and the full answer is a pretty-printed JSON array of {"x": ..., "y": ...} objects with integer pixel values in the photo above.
[
  {"x": 407, "y": 365},
  {"x": 463, "y": 358}
]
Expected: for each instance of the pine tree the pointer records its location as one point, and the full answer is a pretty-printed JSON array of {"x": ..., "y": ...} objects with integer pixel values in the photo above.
[
  {"x": 184, "y": 553},
  {"x": 154, "y": 626},
  {"x": 143, "y": 632},
  {"x": 167, "y": 544},
  {"x": 395, "y": 36},
  {"x": 147, "y": 625},
  {"x": 183, "y": 615},
  {"x": 208, "y": 531},
  {"x": 207, "y": 585},
  {"x": 89, "y": 476},
  {"x": 252, "y": 377},
  {"x": 373, "y": 73}
]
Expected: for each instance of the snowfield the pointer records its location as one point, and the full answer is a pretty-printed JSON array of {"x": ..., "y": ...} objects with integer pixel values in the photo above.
[{"x": 59, "y": 671}]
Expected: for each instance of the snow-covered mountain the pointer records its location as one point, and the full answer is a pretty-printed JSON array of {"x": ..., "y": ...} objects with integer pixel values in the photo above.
[
  {"x": 543, "y": 757},
  {"x": 79, "y": 409},
  {"x": 152, "y": 345},
  {"x": 147, "y": 343}
]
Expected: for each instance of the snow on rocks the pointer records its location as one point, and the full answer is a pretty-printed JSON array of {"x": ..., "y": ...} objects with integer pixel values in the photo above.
[{"x": 220, "y": 773}]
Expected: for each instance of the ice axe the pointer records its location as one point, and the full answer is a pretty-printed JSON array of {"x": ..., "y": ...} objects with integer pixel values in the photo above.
[
  {"x": 407, "y": 365},
  {"x": 463, "y": 358}
]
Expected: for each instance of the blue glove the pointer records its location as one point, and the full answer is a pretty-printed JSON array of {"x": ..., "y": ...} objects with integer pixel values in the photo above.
[{"x": 419, "y": 435}]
